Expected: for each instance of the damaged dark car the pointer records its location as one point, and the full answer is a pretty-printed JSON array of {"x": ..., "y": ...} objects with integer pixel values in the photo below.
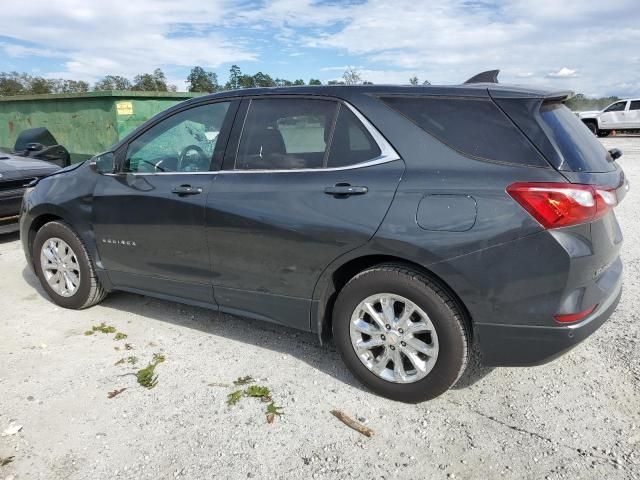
[{"x": 36, "y": 154}]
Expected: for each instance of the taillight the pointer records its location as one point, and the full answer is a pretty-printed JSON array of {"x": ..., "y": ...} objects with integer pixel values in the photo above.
[{"x": 556, "y": 205}]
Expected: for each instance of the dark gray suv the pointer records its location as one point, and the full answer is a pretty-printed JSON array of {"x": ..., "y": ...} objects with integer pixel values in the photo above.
[{"x": 408, "y": 223}]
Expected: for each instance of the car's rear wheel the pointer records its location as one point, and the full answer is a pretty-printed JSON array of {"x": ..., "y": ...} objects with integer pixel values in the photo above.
[
  {"x": 401, "y": 333},
  {"x": 604, "y": 133},
  {"x": 64, "y": 267}
]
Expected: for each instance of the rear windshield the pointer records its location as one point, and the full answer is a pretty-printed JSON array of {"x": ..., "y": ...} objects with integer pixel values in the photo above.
[
  {"x": 473, "y": 126},
  {"x": 580, "y": 149}
]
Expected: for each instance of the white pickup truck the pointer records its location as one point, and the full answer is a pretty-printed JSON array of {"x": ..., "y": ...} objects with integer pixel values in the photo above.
[{"x": 620, "y": 115}]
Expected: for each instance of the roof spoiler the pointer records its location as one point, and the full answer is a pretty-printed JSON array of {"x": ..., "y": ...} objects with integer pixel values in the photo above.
[
  {"x": 490, "y": 76},
  {"x": 561, "y": 96}
]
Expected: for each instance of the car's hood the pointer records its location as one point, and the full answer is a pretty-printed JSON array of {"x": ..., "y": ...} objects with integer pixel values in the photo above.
[{"x": 16, "y": 167}]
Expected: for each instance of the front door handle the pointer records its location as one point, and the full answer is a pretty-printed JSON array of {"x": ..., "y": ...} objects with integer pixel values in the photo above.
[
  {"x": 344, "y": 189},
  {"x": 186, "y": 190}
]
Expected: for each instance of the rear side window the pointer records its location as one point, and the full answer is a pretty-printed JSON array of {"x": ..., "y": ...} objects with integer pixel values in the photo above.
[
  {"x": 352, "y": 143},
  {"x": 580, "y": 149},
  {"x": 284, "y": 134},
  {"x": 635, "y": 105},
  {"x": 473, "y": 126}
]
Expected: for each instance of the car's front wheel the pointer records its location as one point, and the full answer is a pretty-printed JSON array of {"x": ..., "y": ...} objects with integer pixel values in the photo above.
[
  {"x": 401, "y": 333},
  {"x": 593, "y": 126},
  {"x": 64, "y": 267}
]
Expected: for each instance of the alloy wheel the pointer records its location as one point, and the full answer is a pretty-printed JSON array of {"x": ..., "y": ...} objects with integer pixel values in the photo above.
[
  {"x": 394, "y": 338},
  {"x": 60, "y": 267}
]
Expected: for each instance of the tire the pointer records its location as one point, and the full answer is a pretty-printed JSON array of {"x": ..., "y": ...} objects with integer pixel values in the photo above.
[
  {"x": 451, "y": 339},
  {"x": 604, "y": 133},
  {"x": 88, "y": 290},
  {"x": 593, "y": 126}
]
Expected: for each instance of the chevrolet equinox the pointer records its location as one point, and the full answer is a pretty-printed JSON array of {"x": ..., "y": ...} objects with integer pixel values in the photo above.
[{"x": 409, "y": 223}]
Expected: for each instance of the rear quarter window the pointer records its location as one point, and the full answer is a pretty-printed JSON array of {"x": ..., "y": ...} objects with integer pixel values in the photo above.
[
  {"x": 475, "y": 127},
  {"x": 580, "y": 149}
]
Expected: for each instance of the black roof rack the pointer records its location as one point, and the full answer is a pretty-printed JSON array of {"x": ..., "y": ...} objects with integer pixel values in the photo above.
[{"x": 490, "y": 76}]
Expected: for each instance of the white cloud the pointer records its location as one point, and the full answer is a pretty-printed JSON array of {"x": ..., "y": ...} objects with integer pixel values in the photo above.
[
  {"x": 564, "y": 72},
  {"x": 341, "y": 68},
  {"x": 121, "y": 37},
  {"x": 451, "y": 41},
  {"x": 20, "y": 51}
]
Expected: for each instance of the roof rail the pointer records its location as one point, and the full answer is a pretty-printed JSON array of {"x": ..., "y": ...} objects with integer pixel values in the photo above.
[{"x": 490, "y": 76}]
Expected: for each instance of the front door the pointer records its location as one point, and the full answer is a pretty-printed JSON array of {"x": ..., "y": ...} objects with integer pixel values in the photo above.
[
  {"x": 310, "y": 180},
  {"x": 614, "y": 116},
  {"x": 149, "y": 217}
]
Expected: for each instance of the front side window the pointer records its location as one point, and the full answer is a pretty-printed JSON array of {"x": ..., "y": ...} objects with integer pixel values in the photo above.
[
  {"x": 616, "y": 107},
  {"x": 285, "y": 134},
  {"x": 184, "y": 142}
]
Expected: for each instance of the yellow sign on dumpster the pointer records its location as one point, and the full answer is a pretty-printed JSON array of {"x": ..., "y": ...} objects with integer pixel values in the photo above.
[{"x": 124, "y": 108}]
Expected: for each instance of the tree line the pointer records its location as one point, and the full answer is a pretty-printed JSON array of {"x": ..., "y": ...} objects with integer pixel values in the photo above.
[
  {"x": 198, "y": 80},
  {"x": 201, "y": 80},
  {"x": 581, "y": 103}
]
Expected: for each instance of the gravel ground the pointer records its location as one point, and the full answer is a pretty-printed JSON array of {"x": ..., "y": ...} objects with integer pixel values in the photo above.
[{"x": 577, "y": 417}]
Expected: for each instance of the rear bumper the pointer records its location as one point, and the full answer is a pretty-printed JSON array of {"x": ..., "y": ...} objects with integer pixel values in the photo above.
[{"x": 521, "y": 345}]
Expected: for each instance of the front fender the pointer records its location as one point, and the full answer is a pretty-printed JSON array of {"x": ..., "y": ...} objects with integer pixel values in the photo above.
[{"x": 67, "y": 196}]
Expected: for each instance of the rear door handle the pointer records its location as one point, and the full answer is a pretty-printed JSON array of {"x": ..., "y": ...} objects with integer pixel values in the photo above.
[
  {"x": 344, "y": 189},
  {"x": 186, "y": 190}
]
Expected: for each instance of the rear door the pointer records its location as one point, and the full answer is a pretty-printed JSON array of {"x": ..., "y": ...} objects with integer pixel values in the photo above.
[
  {"x": 305, "y": 181},
  {"x": 149, "y": 217}
]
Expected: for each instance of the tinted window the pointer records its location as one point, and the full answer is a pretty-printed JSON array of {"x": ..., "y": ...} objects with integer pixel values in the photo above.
[
  {"x": 351, "y": 142},
  {"x": 474, "y": 127},
  {"x": 616, "y": 107},
  {"x": 282, "y": 134},
  {"x": 580, "y": 149},
  {"x": 184, "y": 142},
  {"x": 635, "y": 105}
]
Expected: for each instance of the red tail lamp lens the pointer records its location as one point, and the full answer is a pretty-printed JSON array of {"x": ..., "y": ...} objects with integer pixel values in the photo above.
[{"x": 556, "y": 205}]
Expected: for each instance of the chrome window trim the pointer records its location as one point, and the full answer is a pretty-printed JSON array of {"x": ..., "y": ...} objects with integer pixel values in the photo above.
[
  {"x": 388, "y": 154},
  {"x": 370, "y": 163}
]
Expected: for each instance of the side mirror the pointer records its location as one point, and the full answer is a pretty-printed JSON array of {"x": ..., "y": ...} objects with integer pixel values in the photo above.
[
  {"x": 615, "y": 153},
  {"x": 103, "y": 163}
]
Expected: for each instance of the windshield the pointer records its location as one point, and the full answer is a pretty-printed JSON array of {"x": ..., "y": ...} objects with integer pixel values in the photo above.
[{"x": 580, "y": 149}]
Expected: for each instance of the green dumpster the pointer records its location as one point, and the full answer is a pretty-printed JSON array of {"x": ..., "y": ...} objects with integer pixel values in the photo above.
[{"x": 85, "y": 123}]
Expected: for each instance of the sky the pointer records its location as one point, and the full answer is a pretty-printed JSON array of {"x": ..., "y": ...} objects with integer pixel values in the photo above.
[{"x": 581, "y": 45}]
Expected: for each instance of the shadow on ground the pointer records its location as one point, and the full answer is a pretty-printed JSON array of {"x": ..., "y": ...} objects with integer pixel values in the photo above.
[
  {"x": 302, "y": 345},
  {"x": 9, "y": 237}
]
